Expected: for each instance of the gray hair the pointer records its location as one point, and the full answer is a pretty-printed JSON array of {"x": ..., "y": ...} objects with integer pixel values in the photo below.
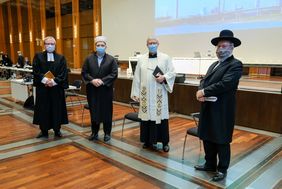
[
  {"x": 152, "y": 38},
  {"x": 49, "y": 37}
]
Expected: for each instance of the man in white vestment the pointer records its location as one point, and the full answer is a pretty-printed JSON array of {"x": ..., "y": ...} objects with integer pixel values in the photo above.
[{"x": 153, "y": 78}]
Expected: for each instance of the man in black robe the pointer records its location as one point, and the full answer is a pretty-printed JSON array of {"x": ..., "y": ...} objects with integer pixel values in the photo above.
[
  {"x": 50, "y": 105},
  {"x": 99, "y": 73},
  {"x": 217, "y": 118}
]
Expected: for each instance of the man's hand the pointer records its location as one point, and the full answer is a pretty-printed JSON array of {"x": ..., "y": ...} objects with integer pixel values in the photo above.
[
  {"x": 160, "y": 78},
  {"x": 200, "y": 96},
  {"x": 49, "y": 83},
  {"x": 97, "y": 82}
]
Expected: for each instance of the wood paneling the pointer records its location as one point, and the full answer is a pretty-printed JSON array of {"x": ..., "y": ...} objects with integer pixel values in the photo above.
[
  {"x": 11, "y": 32},
  {"x": 76, "y": 36},
  {"x": 2, "y": 32},
  {"x": 254, "y": 109},
  {"x": 58, "y": 26},
  {"x": 30, "y": 28},
  {"x": 20, "y": 28},
  {"x": 97, "y": 20}
]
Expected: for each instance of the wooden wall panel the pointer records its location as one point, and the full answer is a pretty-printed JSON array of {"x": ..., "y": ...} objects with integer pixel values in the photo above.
[
  {"x": 2, "y": 31},
  {"x": 30, "y": 28},
  {"x": 11, "y": 32},
  {"x": 20, "y": 28},
  {"x": 76, "y": 33},
  {"x": 58, "y": 26}
]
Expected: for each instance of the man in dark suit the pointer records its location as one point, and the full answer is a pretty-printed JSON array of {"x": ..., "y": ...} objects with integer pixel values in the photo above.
[
  {"x": 50, "y": 110},
  {"x": 20, "y": 61},
  {"x": 99, "y": 73},
  {"x": 217, "y": 118}
]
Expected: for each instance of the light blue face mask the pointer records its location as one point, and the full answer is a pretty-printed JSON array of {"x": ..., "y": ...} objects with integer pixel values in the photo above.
[
  {"x": 101, "y": 50},
  {"x": 50, "y": 48},
  {"x": 153, "y": 48}
]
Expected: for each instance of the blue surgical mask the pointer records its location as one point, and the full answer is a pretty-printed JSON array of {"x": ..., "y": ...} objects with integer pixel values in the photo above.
[
  {"x": 50, "y": 48},
  {"x": 101, "y": 50},
  {"x": 153, "y": 48}
]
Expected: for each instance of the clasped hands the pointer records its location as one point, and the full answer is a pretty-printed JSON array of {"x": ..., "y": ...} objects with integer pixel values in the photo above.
[
  {"x": 160, "y": 78},
  {"x": 49, "y": 83},
  {"x": 97, "y": 82}
]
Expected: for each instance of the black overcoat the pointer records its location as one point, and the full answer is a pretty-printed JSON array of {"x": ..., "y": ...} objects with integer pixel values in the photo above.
[
  {"x": 100, "y": 99},
  {"x": 50, "y": 105},
  {"x": 217, "y": 119}
]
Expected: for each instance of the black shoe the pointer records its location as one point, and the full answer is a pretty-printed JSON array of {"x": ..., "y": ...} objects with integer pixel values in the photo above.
[
  {"x": 107, "y": 138},
  {"x": 93, "y": 136},
  {"x": 166, "y": 148},
  {"x": 204, "y": 168},
  {"x": 155, "y": 146},
  {"x": 219, "y": 176},
  {"x": 42, "y": 135},
  {"x": 146, "y": 145},
  {"x": 58, "y": 134}
]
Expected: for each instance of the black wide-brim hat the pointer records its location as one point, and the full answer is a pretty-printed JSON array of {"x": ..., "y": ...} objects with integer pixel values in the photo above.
[{"x": 226, "y": 35}]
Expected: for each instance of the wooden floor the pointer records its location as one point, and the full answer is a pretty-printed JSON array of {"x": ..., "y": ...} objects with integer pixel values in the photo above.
[
  {"x": 69, "y": 166},
  {"x": 75, "y": 162}
]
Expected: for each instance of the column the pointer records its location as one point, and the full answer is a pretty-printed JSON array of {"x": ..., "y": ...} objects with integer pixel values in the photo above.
[
  {"x": 58, "y": 26},
  {"x": 20, "y": 25},
  {"x": 97, "y": 21},
  {"x": 10, "y": 23},
  {"x": 2, "y": 32},
  {"x": 30, "y": 29},
  {"x": 76, "y": 37},
  {"x": 43, "y": 21}
]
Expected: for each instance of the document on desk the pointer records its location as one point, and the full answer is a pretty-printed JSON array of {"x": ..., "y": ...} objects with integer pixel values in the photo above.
[
  {"x": 211, "y": 99},
  {"x": 49, "y": 75}
]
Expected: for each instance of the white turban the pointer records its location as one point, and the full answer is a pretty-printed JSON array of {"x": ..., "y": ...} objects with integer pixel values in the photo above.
[{"x": 101, "y": 39}]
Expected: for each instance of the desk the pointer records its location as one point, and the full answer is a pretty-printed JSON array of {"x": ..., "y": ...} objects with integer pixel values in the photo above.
[{"x": 20, "y": 89}]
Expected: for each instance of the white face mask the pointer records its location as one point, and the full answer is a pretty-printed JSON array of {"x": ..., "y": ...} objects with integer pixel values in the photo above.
[{"x": 50, "y": 48}]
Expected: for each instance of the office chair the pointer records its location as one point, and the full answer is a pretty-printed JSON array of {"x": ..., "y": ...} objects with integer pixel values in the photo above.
[
  {"x": 73, "y": 90},
  {"x": 192, "y": 131},
  {"x": 133, "y": 116}
]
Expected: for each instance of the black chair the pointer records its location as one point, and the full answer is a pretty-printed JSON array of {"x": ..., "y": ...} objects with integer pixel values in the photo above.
[
  {"x": 133, "y": 116},
  {"x": 86, "y": 106},
  {"x": 73, "y": 90},
  {"x": 192, "y": 131}
]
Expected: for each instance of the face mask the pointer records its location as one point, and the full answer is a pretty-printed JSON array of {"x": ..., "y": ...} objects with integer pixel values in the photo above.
[
  {"x": 153, "y": 48},
  {"x": 223, "y": 53},
  {"x": 50, "y": 48},
  {"x": 101, "y": 50}
]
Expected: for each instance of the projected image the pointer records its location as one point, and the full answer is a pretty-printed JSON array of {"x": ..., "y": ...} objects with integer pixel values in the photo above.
[{"x": 190, "y": 16}]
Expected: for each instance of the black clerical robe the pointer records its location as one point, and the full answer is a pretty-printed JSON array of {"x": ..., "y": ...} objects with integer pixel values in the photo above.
[
  {"x": 100, "y": 99},
  {"x": 50, "y": 105}
]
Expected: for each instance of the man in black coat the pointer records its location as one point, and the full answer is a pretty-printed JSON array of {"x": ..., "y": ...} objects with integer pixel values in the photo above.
[
  {"x": 20, "y": 61},
  {"x": 217, "y": 118},
  {"x": 99, "y": 73},
  {"x": 51, "y": 80}
]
